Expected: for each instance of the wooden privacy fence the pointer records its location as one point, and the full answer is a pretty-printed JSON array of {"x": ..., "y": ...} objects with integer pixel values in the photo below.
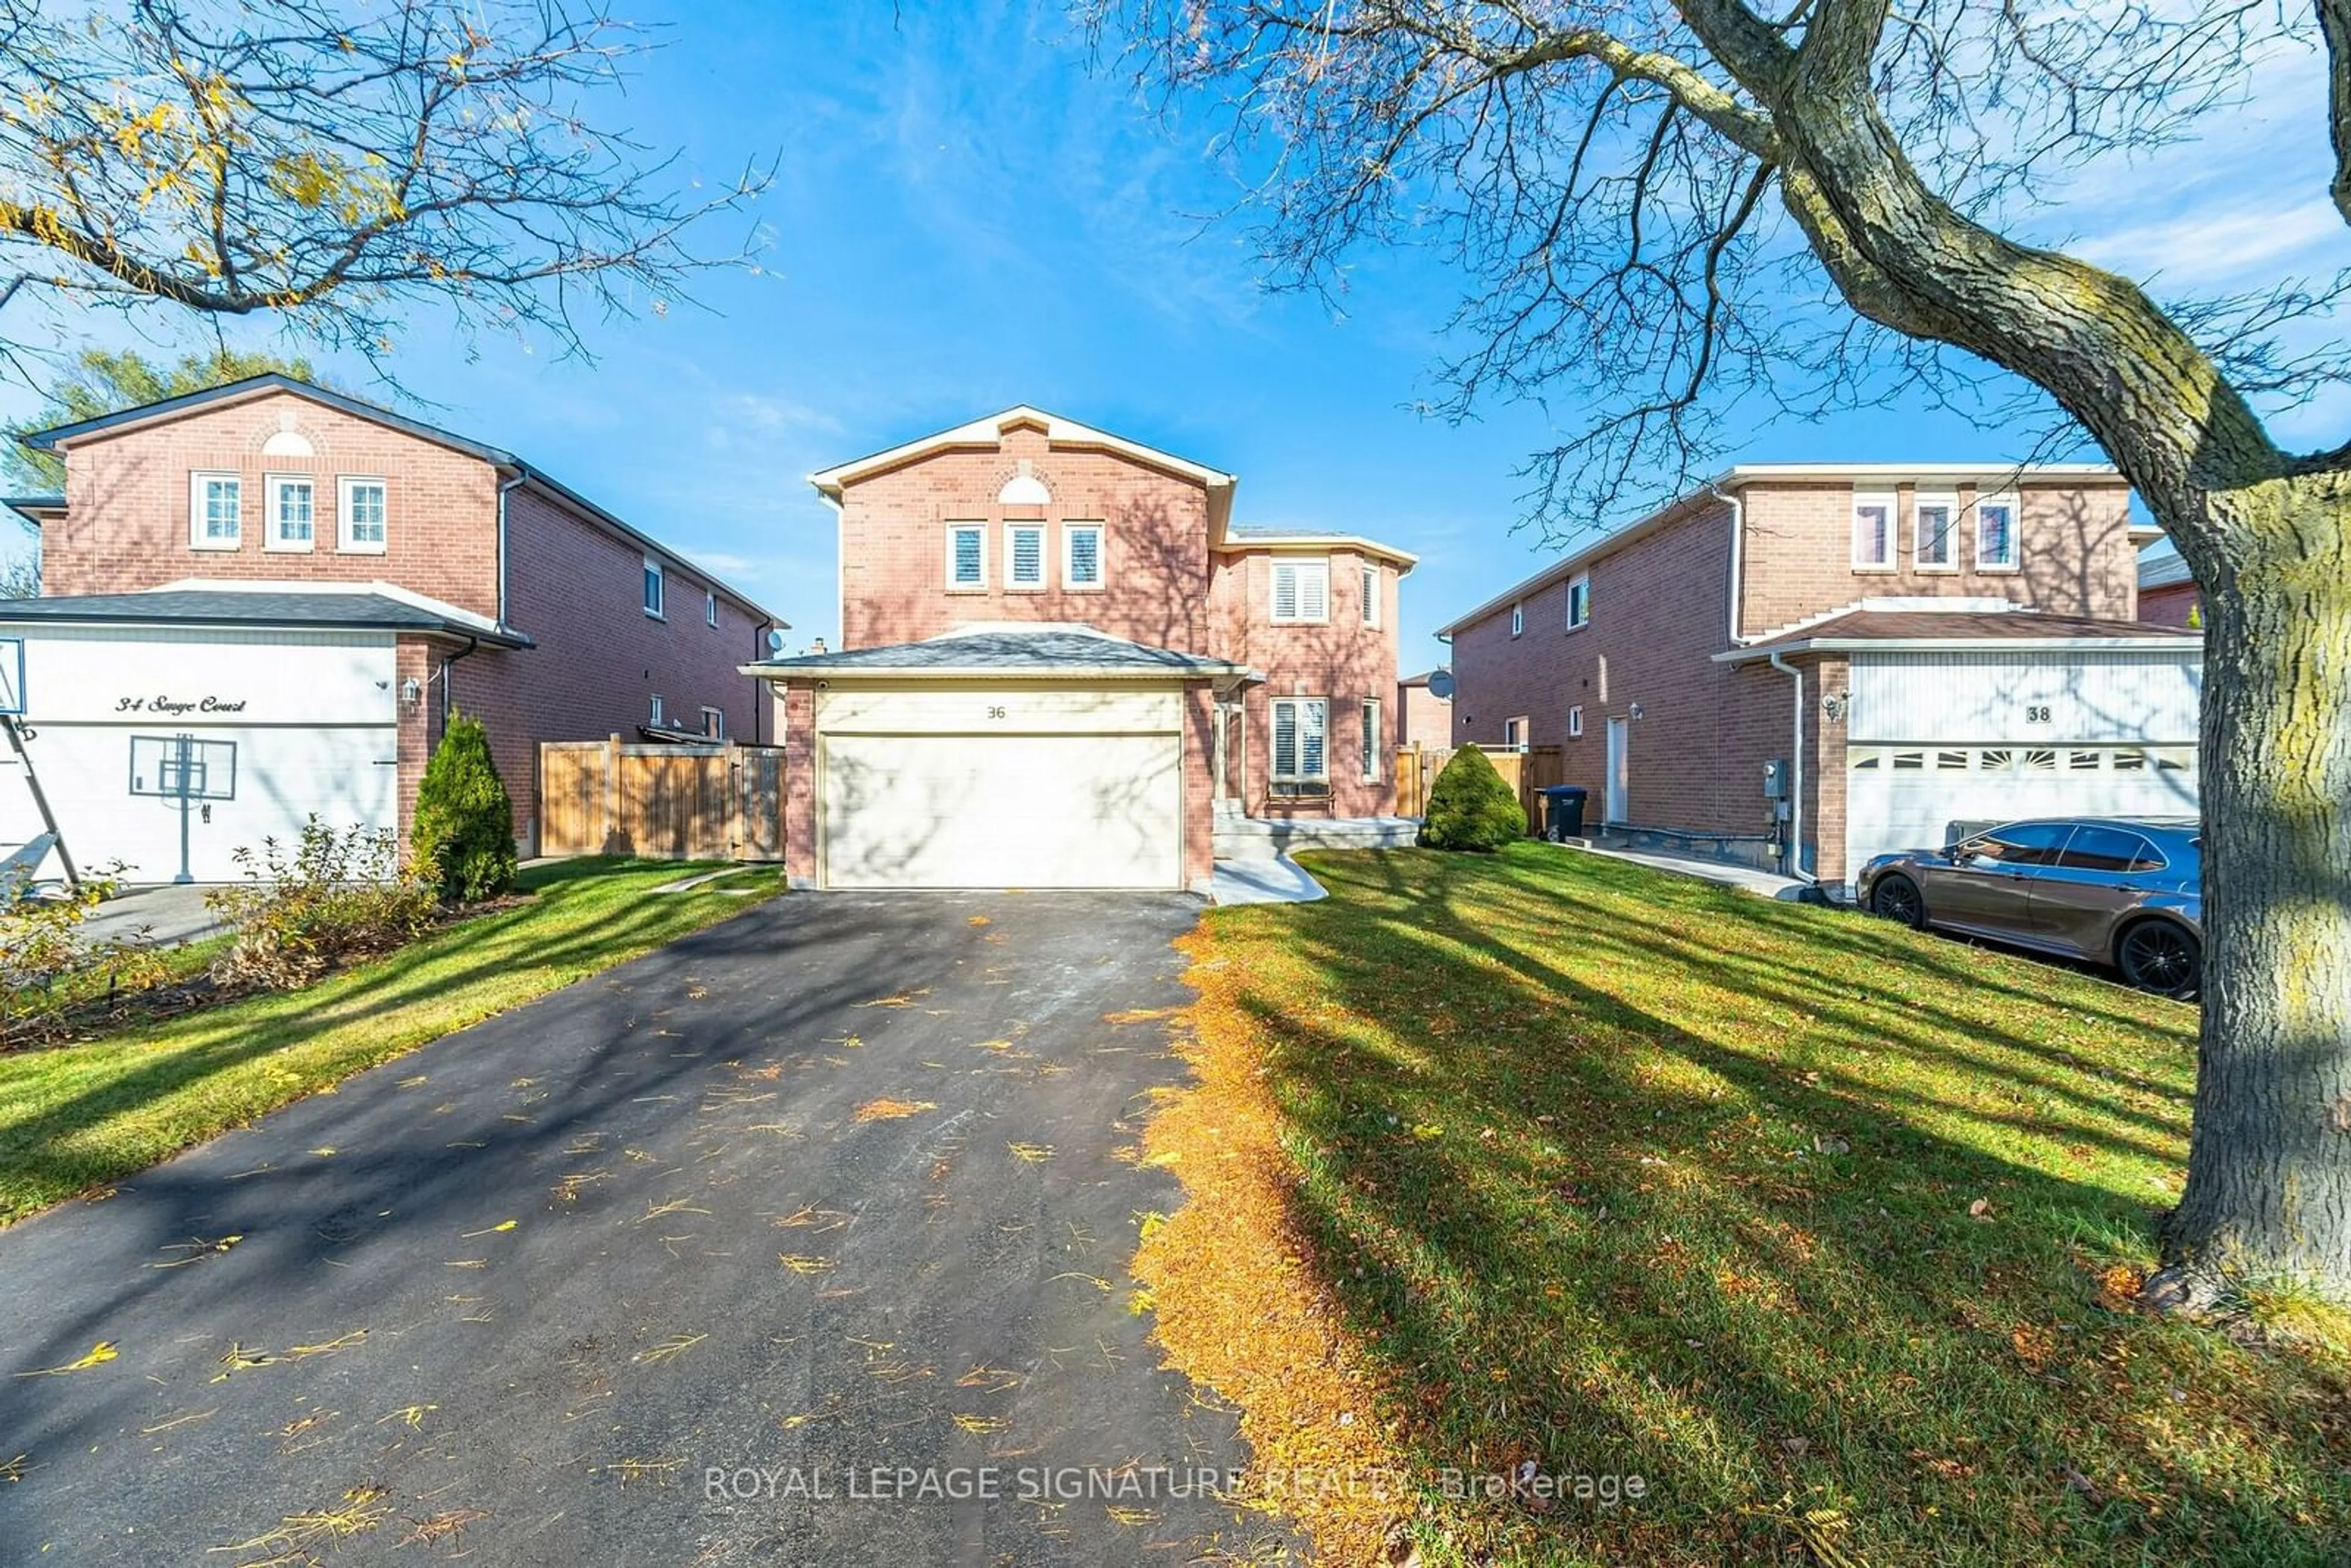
[
  {"x": 1528, "y": 771},
  {"x": 716, "y": 802}
]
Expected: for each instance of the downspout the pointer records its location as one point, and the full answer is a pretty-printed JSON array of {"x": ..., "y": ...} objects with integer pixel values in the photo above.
[
  {"x": 1738, "y": 542},
  {"x": 1795, "y": 776},
  {"x": 504, "y": 486},
  {"x": 448, "y": 691}
]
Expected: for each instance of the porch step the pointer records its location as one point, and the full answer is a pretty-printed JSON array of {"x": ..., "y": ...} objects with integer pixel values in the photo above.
[{"x": 1260, "y": 839}]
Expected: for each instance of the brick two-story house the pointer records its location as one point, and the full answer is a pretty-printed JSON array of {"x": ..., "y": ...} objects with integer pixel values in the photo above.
[
  {"x": 288, "y": 590},
  {"x": 1804, "y": 666},
  {"x": 1061, "y": 662}
]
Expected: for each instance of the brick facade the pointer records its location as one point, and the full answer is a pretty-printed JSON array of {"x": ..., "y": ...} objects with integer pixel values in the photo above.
[
  {"x": 1163, "y": 584},
  {"x": 573, "y": 585},
  {"x": 1661, "y": 608},
  {"x": 1423, "y": 718},
  {"x": 2173, "y": 604}
]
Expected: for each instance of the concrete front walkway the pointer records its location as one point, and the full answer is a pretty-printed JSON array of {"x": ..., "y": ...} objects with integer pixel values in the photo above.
[
  {"x": 1277, "y": 881},
  {"x": 1747, "y": 879}
]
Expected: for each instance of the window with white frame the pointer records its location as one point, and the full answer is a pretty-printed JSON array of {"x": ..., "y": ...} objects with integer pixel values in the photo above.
[
  {"x": 1371, "y": 594},
  {"x": 1302, "y": 589},
  {"x": 1579, "y": 601},
  {"x": 1298, "y": 741},
  {"x": 966, "y": 555},
  {"x": 1873, "y": 533},
  {"x": 1575, "y": 721},
  {"x": 709, "y": 609},
  {"x": 1997, "y": 548},
  {"x": 1371, "y": 741},
  {"x": 659, "y": 716},
  {"x": 1936, "y": 521},
  {"x": 293, "y": 508},
  {"x": 1082, "y": 555},
  {"x": 713, "y": 723},
  {"x": 215, "y": 517},
  {"x": 1024, "y": 555},
  {"x": 1514, "y": 734},
  {"x": 360, "y": 516},
  {"x": 656, "y": 594},
  {"x": 1518, "y": 618}
]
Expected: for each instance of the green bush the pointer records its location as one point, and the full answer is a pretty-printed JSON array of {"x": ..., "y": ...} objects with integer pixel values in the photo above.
[
  {"x": 327, "y": 900},
  {"x": 1469, "y": 807},
  {"x": 464, "y": 823}
]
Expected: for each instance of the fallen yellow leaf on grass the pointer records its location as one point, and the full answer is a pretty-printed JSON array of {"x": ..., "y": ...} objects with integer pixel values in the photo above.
[
  {"x": 100, "y": 1354},
  {"x": 892, "y": 1110}
]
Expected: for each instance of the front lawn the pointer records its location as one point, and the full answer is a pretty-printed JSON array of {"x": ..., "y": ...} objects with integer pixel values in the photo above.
[
  {"x": 81, "y": 1115},
  {"x": 1824, "y": 1229}
]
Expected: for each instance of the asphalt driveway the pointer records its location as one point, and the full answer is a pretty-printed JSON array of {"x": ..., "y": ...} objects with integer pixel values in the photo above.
[{"x": 801, "y": 1240}]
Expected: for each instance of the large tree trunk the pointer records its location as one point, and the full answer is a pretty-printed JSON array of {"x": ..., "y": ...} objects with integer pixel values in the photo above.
[{"x": 2269, "y": 1168}]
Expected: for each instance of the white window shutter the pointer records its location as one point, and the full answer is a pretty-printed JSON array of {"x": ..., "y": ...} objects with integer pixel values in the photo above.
[
  {"x": 1285, "y": 740},
  {"x": 1310, "y": 740},
  {"x": 1314, "y": 592},
  {"x": 1285, "y": 590}
]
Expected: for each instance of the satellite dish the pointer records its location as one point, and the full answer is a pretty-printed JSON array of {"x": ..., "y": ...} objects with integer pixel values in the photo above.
[
  {"x": 775, "y": 644},
  {"x": 1440, "y": 685}
]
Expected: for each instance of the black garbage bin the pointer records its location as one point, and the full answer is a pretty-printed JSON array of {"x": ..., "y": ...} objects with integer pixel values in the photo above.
[{"x": 1564, "y": 811}]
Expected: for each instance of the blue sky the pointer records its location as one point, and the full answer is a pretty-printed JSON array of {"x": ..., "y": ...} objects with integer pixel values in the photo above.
[{"x": 966, "y": 217}]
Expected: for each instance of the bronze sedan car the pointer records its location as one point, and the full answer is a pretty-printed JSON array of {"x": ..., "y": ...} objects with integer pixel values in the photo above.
[{"x": 2125, "y": 892}]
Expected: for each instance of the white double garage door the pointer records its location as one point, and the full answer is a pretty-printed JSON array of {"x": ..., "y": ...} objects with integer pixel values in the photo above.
[
  {"x": 970, "y": 786},
  {"x": 233, "y": 737},
  {"x": 1941, "y": 744}
]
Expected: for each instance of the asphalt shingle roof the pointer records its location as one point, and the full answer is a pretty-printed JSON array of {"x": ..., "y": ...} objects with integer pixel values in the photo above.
[
  {"x": 1907, "y": 625},
  {"x": 1009, "y": 653},
  {"x": 229, "y": 607}
]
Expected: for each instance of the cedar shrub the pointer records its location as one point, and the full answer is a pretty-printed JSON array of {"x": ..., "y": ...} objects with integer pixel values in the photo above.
[
  {"x": 1469, "y": 807},
  {"x": 465, "y": 822}
]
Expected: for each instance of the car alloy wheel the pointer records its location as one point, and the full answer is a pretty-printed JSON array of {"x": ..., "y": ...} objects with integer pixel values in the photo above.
[
  {"x": 1896, "y": 897},
  {"x": 2156, "y": 955}
]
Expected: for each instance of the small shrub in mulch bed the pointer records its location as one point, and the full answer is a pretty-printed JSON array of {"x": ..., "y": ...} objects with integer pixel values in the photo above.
[{"x": 327, "y": 900}]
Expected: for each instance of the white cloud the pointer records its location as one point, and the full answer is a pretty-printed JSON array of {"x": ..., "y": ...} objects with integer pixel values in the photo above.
[{"x": 2225, "y": 248}]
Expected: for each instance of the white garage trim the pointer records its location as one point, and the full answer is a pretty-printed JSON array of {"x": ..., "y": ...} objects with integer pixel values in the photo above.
[
  {"x": 986, "y": 786},
  {"x": 1945, "y": 742}
]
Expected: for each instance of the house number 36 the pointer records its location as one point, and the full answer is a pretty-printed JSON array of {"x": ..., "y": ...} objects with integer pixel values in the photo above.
[
  {"x": 995, "y": 713},
  {"x": 2037, "y": 713}
]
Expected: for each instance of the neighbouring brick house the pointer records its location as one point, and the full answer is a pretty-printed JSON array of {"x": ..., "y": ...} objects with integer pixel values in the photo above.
[
  {"x": 1423, "y": 718},
  {"x": 2167, "y": 593},
  {"x": 1800, "y": 666},
  {"x": 1061, "y": 662},
  {"x": 303, "y": 585}
]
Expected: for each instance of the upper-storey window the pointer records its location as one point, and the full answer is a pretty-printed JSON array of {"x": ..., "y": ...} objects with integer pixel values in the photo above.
[
  {"x": 1938, "y": 526},
  {"x": 293, "y": 501},
  {"x": 1082, "y": 555},
  {"x": 1518, "y": 618},
  {"x": 1873, "y": 533},
  {"x": 1579, "y": 599},
  {"x": 360, "y": 516},
  {"x": 1302, "y": 589},
  {"x": 1997, "y": 548},
  {"x": 1024, "y": 555},
  {"x": 656, "y": 592},
  {"x": 215, "y": 517},
  {"x": 710, "y": 609},
  {"x": 966, "y": 555},
  {"x": 1371, "y": 594}
]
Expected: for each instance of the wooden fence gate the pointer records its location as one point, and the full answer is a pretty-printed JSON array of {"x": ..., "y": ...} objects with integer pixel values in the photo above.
[
  {"x": 1527, "y": 773},
  {"x": 721, "y": 801}
]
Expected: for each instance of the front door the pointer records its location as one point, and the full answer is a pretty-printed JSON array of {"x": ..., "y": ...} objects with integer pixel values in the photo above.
[{"x": 1617, "y": 804}]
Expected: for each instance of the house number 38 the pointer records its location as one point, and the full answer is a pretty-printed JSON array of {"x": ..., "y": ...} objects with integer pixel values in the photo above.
[{"x": 2037, "y": 713}]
